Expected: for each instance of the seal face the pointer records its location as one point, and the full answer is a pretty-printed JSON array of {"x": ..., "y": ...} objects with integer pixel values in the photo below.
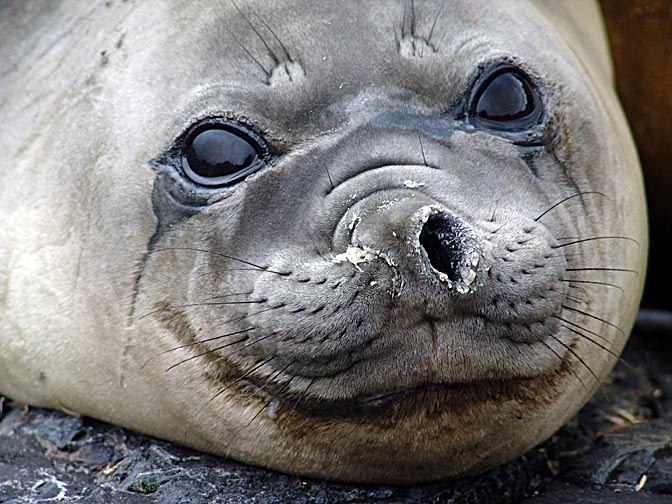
[{"x": 347, "y": 241}]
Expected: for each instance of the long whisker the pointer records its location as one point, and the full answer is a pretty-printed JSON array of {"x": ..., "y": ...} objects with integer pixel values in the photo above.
[
  {"x": 275, "y": 394},
  {"x": 621, "y": 270},
  {"x": 583, "y": 329},
  {"x": 576, "y": 300},
  {"x": 587, "y": 338},
  {"x": 266, "y": 72},
  {"x": 422, "y": 150},
  {"x": 220, "y": 254},
  {"x": 331, "y": 182},
  {"x": 583, "y": 240},
  {"x": 240, "y": 378},
  {"x": 562, "y": 360},
  {"x": 590, "y": 315},
  {"x": 234, "y": 333},
  {"x": 247, "y": 345},
  {"x": 575, "y": 354},
  {"x": 590, "y": 282},
  {"x": 494, "y": 211},
  {"x": 567, "y": 199},
  {"x": 243, "y": 317},
  {"x": 282, "y": 45},
  {"x": 273, "y": 376},
  {"x": 276, "y": 60},
  {"x": 207, "y": 274},
  {"x": 208, "y": 303},
  {"x": 436, "y": 18},
  {"x": 303, "y": 394},
  {"x": 223, "y": 296},
  {"x": 206, "y": 353}
]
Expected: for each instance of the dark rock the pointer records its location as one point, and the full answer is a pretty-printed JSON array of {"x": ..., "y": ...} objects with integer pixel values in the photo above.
[{"x": 563, "y": 493}]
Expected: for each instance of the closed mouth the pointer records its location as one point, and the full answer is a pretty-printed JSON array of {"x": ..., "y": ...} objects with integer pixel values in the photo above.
[{"x": 428, "y": 399}]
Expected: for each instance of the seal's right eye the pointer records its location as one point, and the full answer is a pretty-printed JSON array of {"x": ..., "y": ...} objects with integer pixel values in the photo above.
[{"x": 220, "y": 154}]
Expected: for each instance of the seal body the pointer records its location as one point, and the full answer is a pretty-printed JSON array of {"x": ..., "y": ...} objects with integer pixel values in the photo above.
[{"x": 365, "y": 241}]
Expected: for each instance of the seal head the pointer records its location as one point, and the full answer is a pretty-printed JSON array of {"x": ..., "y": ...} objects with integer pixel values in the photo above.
[{"x": 349, "y": 241}]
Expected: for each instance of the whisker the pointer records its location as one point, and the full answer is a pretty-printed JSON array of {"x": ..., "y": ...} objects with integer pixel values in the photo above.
[
  {"x": 282, "y": 45},
  {"x": 575, "y": 354},
  {"x": 567, "y": 199},
  {"x": 247, "y": 345},
  {"x": 494, "y": 211},
  {"x": 207, "y": 274},
  {"x": 581, "y": 327},
  {"x": 196, "y": 343},
  {"x": 240, "y": 378},
  {"x": 275, "y": 394},
  {"x": 266, "y": 72},
  {"x": 576, "y": 299},
  {"x": 220, "y": 254},
  {"x": 590, "y": 315},
  {"x": 206, "y": 353},
  {"x": 412, "y": 18},
  {"x": 243, "y": 317},
  {"x": 620, "y": 270},
  {"x": 303, "y": 394},
  {"x": 273, "y": 56},
  {"x": 562, "y": 360},
  {"x": 583, "y": 240},
  {"x": 208, "y": 303},
  {"x": 436, "y": 18},
  {"x": 222, "y": 296},
  {"x": 586, "y": 337},
  {"x": 273, "y": 376},
  {"x": 326, "y": 168},
  {"x": 590, "y": 282},
  {"x": 221, "y": 303},
  {"x": 422, "y": 150},
  {"x": 568, "y": 256}
]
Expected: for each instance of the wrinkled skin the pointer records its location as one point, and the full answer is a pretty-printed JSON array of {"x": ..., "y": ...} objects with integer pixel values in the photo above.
[{"x": 301, "y": 319}]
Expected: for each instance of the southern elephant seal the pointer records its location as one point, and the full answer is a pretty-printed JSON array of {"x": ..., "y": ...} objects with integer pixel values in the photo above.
[{"x": 365, "y": 241}]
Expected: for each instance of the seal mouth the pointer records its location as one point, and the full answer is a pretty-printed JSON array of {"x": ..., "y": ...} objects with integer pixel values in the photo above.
[{"x": 438, "y": 397}]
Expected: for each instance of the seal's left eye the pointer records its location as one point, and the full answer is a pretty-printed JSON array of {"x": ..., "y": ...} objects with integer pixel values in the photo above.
[
  {"x": 506, "y": 100},
  {"x": 216, "y": 154}
]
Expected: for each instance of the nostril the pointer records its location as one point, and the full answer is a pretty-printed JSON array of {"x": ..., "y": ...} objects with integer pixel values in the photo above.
[
  {"x": 439, "y": 238},
  {"x": 451, "y": 247}
]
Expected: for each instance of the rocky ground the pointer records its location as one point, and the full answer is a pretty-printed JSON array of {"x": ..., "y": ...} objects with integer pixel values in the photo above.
[{"x": 617, "y": 450}]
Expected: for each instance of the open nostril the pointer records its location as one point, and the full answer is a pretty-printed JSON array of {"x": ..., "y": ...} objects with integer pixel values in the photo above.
[
  {"x": 439, "y": 237},
  {"x": 450, "y": 247}
]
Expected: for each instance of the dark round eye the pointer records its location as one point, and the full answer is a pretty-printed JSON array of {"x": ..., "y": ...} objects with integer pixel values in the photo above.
[
  {"x": 215, "y": 154},
  {"x": 506, "y": 101}
]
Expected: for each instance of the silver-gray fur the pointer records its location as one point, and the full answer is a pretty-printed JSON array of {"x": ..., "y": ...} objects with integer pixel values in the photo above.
[{"x": 401, "y": 292}]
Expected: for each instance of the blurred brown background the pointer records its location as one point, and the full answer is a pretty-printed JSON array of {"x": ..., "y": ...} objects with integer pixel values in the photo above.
[{"x": 640, "y": 33}]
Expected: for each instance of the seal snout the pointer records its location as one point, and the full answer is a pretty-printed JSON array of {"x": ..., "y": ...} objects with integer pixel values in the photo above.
[{"x": 451, "y": 249}]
